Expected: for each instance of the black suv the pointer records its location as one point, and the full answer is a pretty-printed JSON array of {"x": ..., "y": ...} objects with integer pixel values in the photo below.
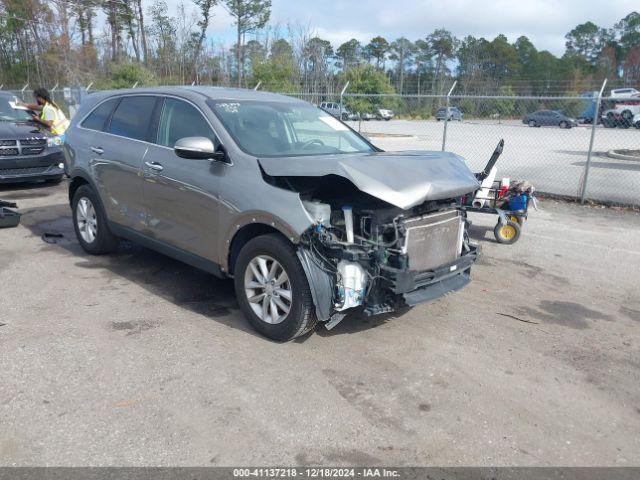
[{"x": 27, "y": 152}]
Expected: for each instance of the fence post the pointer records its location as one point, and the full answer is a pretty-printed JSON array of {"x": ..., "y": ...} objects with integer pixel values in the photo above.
[
  {"x": 22, "y": 91},
  {"x": 257, "y": 87},
  {"x": 594, "y": 124},
  {"x": 446, "y": 117},
  {"x": 346, "y": 85},
  {"x": 88, "y": 87}
]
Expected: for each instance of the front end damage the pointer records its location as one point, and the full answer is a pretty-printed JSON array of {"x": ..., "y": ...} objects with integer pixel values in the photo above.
[
  {"x": 394, "y": 258},
  {"x": 380, "y": 252}
]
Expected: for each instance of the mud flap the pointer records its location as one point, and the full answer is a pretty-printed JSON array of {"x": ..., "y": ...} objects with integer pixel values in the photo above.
[
  {"x": 320, "y": 283},
  {"x": 437, "y": 290}
]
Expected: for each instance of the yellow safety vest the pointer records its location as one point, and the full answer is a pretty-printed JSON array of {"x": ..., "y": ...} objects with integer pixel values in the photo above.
[{"x": 60, "y": 122}]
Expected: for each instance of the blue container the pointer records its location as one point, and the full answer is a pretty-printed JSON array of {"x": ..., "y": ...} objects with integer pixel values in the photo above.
[{"x": 518, "y": 203}]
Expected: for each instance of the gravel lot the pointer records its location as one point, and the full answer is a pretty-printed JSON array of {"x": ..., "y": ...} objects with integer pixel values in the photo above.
[
  {"x": 135, "y": 359},
  {"x": 552, "y": 158}
]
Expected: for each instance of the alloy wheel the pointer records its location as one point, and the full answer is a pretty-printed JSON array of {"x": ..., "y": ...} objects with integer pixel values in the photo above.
[
  {"x": 268, "y": 289},
  {"x": 87, "y": 220}
]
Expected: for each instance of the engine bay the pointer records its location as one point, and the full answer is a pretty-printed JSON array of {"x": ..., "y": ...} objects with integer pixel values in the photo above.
[{"x": 374, "y": 251}]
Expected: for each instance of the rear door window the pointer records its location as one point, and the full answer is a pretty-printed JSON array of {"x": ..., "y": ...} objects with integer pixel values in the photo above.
[
  {"x": 133, "y": 117},
  {"x": 98, "y": 118}
]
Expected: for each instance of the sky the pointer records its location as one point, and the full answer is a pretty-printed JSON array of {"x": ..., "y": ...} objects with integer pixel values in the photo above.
[{"x": 545, "y": 22}]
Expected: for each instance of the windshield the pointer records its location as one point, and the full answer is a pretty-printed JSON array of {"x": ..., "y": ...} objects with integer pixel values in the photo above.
[
  {"x": 274, "y": 129},
  {"x": 9, "y": 114}
]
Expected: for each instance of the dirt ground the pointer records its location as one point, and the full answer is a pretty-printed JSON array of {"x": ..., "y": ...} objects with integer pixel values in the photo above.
[{"x": 136, "y": 359}]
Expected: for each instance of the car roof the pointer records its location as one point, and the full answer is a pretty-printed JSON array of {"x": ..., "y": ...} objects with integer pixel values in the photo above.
[{"x": 214, "y": 93}]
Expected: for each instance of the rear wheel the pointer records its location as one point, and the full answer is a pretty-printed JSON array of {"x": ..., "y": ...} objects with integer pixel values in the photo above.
[
  {"x": 517, "y": 219},
  {"x": 532, "y": 123},
  {"x": 272, "y": 289},
  {"x": 90, "y": 222},
  {"x": 564, "y": 124},
  {"x": 507, "y": 233}
]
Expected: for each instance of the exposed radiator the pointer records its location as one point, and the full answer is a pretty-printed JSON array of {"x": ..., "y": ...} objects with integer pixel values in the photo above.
[{"x": 433, "y": 240}]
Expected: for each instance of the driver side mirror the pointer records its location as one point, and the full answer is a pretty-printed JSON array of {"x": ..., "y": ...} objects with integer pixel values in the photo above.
[{"x": 199, "y": 148}]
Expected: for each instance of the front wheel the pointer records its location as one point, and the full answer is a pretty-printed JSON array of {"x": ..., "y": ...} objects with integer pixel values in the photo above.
[
  {"x": 507, "y": 233},
  {"x": 90, "y": 222},
  {"x": 272, "y": 289},
  {"x": 532, "y": 123},
  {"x": 564, "y": 124}
]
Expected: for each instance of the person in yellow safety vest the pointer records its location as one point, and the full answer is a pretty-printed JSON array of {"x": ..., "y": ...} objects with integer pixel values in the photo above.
[{"x": 51, "y": 115}]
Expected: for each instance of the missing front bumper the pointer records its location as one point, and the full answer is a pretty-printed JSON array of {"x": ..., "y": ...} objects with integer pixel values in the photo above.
[{"x": 436, "y": 290}]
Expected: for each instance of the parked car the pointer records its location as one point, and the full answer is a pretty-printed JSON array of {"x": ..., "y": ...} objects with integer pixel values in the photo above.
[
  {"x": 453, "y": 114},
  {"x": 621, "y": 116},
  {"x": 625, "y": 93},
  {"x": 27, "y": 151},
  {"x": 366, "y": 116},
  {"x": 296, "y": 207},
  {"x": 338, "y": 111},
  {"x": 384, "y": 114},
  {"x": 547, "y": 118}
]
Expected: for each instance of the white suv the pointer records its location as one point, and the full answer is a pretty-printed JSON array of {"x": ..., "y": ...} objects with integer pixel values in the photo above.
[
  {"x": 334, "y": 108},
  {"x": 625, "y": 93}
]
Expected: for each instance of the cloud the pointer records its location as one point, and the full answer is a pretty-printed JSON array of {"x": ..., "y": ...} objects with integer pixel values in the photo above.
[{"x": 545, "y": 22}]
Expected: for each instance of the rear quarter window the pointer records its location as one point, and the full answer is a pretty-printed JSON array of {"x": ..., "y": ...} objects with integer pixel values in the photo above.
[{"x": 98, "y": 118}]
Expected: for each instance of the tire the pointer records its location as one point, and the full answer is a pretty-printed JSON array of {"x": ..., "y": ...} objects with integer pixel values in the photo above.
[
  {"x": 300, "y": 317},
  {"x": 563, "y": 124},
  {"x": 627, "y": 116},
  {"x": 101, "y": 240},
  {"x": 637, "y": 125},
  {"x": 507, "y": 234},
  {"x": 532, "y": 123},
  {"x": 516, "y": 218},
  {"x": 387, "y": 119}
]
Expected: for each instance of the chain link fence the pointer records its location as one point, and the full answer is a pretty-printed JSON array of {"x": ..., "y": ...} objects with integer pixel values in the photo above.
[{"x": 548, "y": 140}]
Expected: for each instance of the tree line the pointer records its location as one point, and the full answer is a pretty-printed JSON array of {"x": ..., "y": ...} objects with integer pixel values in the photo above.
[{"x": 116, "y": 43}]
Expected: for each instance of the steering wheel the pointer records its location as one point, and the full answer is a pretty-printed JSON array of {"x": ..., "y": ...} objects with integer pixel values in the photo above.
[{"x": 315, "y": 141}]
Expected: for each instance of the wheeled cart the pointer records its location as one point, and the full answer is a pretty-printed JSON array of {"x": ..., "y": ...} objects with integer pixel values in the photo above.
[{"x": 510, "y": 203}]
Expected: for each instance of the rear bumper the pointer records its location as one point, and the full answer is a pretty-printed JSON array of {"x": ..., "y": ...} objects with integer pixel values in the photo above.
[{"x": 25, "y": 168}]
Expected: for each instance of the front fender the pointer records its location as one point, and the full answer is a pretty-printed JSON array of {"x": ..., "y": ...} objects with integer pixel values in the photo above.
[{"x": 253, "y": 217}]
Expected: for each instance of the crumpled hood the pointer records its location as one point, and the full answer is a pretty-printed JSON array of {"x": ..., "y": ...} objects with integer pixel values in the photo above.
[{"x": 403, "y": 179}]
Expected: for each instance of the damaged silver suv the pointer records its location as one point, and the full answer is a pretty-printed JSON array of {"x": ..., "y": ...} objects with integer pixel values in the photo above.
[{"x": 309, "y": 218}]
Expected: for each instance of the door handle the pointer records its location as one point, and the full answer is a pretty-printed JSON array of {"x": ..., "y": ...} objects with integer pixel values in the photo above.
[
  {"x": 154, "y": 166},
  {"x": 97, "y": 150}
]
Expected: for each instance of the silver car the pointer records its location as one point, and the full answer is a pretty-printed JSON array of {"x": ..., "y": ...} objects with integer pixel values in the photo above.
[{"x": 309, "y": 219}]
